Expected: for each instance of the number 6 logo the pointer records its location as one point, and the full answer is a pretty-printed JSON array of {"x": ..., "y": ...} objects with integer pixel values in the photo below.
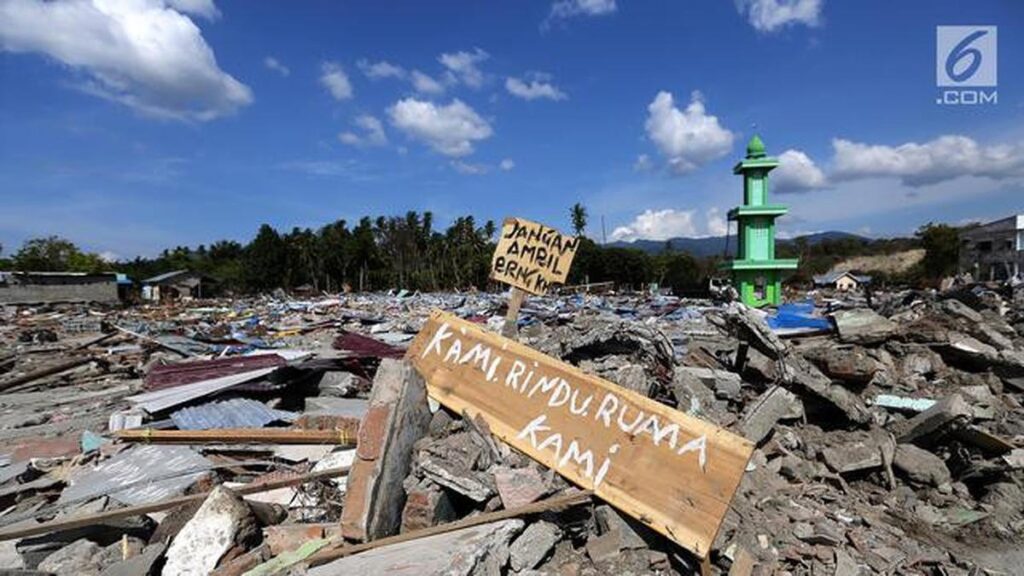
[
  {"x": 965, "y": 56},
  {"x": 961, "y": 51}
]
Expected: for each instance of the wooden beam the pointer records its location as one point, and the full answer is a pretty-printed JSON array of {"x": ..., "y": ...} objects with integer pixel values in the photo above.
[
  {"x": 44, "y": 372},
  {"x": 515, "y": 302},
  {"x": 239, "y": 436},
  {"x": 89, "y": 519},
  {"x": 558, "y": 502}
]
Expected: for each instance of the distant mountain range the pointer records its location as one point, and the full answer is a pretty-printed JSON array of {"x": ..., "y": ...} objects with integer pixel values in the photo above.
[{"x": 715, "y": 245}]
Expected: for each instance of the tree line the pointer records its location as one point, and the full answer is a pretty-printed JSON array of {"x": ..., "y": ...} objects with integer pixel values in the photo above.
[{"x": 410, "y": 252}]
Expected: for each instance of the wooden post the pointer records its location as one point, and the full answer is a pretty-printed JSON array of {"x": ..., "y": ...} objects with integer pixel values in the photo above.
[{"x": 515, "y": 301}]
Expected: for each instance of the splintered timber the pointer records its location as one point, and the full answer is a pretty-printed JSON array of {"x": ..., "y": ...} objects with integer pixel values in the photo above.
[
  {"x": 532, "y": 256},
  {"x": 667, "y": 469}
]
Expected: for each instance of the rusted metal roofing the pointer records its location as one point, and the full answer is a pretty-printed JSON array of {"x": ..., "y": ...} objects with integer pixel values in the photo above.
[
  {"x": 177, "y": 374},
  {"x": 365, "y": 347}
]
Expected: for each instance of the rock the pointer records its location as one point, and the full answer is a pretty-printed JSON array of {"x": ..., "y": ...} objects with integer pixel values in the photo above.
[
  {"x": 457, "y": 553},
  {"x": 519, "y": 486},
  {"x": 935, "y": 419},
  {"x": 426, "y": 505},
  {"x": 970, "y": 351},
  {"x": 761, "y": 415},
  {"x": 851, "y": 365},
  {"x": 604, "y": 547},
  {"x": 726, "y": 385},
  {"x": 863, "y": 326},
  {"x": 340, "y": 384},
  {"x": 630, "y": 533},
  {"x": 921, "y": 466},
  {"x": 533, "y": 545},
  {"x": 204, "y": 539},
  {"x": 853, "y": 457},
  {"x": 140, "y": 565},
  {"x": 80, "y": 558},
  {"x": 963, "y": 311}
]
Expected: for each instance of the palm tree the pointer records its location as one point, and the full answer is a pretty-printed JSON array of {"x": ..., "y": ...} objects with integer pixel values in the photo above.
[{"x": 579, "y": 218}]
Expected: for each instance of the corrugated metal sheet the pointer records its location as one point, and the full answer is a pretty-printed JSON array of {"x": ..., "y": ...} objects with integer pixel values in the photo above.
[
  {"x": 160, "y": 400},
  {"x": 236, "y": 413},
  {"x": 360, "y": 346},
  {"x": 143, "y": 474},
  {"x": 180, "y": 373}
]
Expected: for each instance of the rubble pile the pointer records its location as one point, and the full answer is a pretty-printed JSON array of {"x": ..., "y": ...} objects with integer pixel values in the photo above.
[{"x": 279, "y": 436}]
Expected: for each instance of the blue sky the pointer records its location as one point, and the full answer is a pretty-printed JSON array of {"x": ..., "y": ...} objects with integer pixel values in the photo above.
[{"x": 133, "y": 125}]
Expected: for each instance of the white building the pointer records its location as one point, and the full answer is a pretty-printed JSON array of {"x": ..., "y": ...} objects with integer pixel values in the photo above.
[{"x": 993, "y": 251}]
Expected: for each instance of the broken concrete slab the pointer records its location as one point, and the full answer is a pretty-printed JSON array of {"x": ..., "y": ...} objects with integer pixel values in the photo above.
[
  {"x": 726, "y": 385},
  {"x": 426, "y": 505},
  {"x": 943, "y": 414},
  {"x": 761, "y": 415},
  {"x": 397, "y": 417},
  {"x": 863, "y": 326},
  {"x": 81, "y": 557},
  {"x": 519, "y": 486},
  {"x": 140, "y": 565},
  {"x": 631, "y": 534},
  {"x": 853, "y": 457},
  {"x": 805, "y": 376},
  {"x": 533, "y": 545},
  {"x": 219, "y": 522},
  {"x": 455, "y": 553},
  {"x": 921, "y": 466}
]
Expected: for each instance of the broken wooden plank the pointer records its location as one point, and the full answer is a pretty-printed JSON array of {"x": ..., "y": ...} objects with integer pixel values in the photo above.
[
  {"x": 87, "y": 520},
  {"x": 674, "y": 472},
  {"x": 239, "y": 436},
  {"x": 550, "y": 504},
  {"x": 44, "y": 372}
]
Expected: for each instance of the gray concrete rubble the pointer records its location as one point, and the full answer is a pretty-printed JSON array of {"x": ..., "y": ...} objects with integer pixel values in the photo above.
[{"x": 889, "y": 438}]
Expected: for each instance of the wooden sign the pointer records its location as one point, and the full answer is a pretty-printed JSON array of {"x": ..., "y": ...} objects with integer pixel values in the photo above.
[
  {"x": 671, "y": 471},
  {"x": 532, "y": 256}
]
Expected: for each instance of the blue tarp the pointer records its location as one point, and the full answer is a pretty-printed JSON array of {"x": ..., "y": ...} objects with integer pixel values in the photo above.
[{"x": 793, "y": 316}]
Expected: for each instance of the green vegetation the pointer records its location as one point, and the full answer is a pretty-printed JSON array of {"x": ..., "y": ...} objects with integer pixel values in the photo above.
[{"x": 407, "y": 252}]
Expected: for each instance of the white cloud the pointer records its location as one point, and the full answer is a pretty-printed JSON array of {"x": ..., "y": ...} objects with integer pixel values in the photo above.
[
  {"x": 274, "y": 64},
  {"x": 333, "y": 77},
  {"x": 450, "y": 129},
  {"x": 425, "y": 83},
  {"x": 717, "y": 225},
  {"x": 507, "y": 164},
  {"x": 146, "y": 54},
  {"x": 797, "y": 173},
  {"x": 687, "y": 138},
  {"x": 657, "y": 225},
  {"x": 643, "y": 163},
  {"x": 380, "y": 70},
  {"x": 468, "y": 168},
  {"x": 534, "y": 86},
  {"x": 771, "y": 15},
  {"x": 944, "y": 158},
  {"x": 373, "y": 132},
  {"x": 202, "y": 8},
  {"x": 563, "y": 9},
  {"x": 463, "y": 66}
]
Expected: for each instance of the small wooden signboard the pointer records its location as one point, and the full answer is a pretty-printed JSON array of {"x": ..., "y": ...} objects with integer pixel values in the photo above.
[
  {"x": 532, "y": 256},
  {"x": 669, "y": 470}
]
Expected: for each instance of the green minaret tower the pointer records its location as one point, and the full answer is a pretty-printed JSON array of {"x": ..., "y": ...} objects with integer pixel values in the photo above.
[{"x": 757, "y": 273}]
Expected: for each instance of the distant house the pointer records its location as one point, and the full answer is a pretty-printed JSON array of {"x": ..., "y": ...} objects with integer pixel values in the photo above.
[
  {"x": 176, "y": 285},
  {"x": 51, "y": 287},
  {"x": 993, "y": 251},
  {"x": 842, "y": 280}
]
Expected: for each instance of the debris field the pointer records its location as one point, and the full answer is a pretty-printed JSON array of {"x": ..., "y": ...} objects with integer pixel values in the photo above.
[{"x": 281, "y": 436}]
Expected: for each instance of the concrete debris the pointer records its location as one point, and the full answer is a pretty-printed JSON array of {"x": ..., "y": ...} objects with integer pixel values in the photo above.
[
  {"x": 893, "y": 444},
  {"x": 921, "y": 466},
  {"x": 214, "y": 529},
  {"x": 456, "y": 553},
  {"x": 533, "y": 545}
]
